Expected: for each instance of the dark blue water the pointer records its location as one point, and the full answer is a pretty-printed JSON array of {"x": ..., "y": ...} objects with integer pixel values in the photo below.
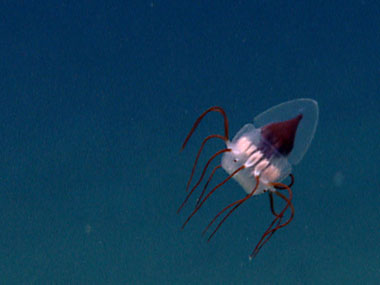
[{"x": 97, "y": 98}]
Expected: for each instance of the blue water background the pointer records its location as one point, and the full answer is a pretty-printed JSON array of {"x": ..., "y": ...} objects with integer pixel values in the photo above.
[{"x": 97, "y": 97}]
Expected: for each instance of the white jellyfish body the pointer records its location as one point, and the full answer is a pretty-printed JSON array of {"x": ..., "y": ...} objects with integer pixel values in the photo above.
[{"x": 262, "y": 157}]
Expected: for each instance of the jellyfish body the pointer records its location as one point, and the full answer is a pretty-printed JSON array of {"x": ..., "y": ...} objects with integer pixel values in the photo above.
[
  {"x": 268, "y": 150},
  {"x": 259, "y": 157}
]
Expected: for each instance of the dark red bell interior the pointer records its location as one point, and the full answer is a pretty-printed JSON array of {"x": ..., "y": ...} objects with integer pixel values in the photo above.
[{"x": 281, "y": 135}]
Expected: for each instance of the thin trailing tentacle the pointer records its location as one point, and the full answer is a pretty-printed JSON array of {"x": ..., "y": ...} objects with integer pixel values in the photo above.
[
  {"x": 237, "y": 204},
  {"x": 210, "y": 193},
  {"x": 207, "y": 183},
  {"x": 202, "y": 175},
  {"x": 197, "y": 122},
  {"x": 270, "y": 232},
  {"x": 277, "y": 220},
  {"x": 198, "y": 155},
  {"x": 271, "y": 202},
  {"x": 279, "y": 187},
  {"x": 224, "y": 138}
]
